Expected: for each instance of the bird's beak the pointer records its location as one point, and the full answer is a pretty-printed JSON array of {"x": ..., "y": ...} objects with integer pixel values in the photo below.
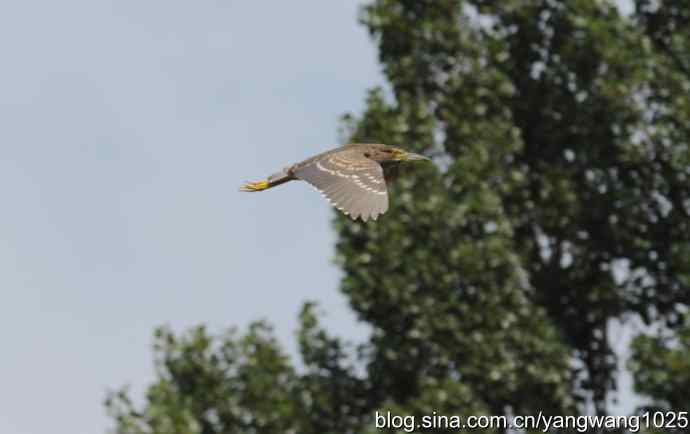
[{"x": 413, "y": 157}]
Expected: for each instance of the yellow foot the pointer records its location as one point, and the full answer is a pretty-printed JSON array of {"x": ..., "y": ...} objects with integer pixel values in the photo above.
[{"x": 254, "y": 186}]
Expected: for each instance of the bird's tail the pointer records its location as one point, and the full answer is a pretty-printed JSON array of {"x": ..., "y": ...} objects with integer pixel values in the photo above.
[{"x": 276, "y": 179}]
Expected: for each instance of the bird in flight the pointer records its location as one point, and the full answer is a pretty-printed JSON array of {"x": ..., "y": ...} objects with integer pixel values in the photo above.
[{"x": 352, "y": 177}]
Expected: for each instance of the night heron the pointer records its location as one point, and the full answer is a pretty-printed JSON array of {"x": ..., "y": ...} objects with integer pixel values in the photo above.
[{"x": 352, "y": 177}]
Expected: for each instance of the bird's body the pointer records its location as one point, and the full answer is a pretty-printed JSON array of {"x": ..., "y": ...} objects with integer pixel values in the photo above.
[{"x": 352, "y": 177}]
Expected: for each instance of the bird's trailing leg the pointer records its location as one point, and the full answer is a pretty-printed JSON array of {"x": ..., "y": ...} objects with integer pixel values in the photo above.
[
  {"x": 276, "y": 179},
  {"x": 255, "y": 186}
]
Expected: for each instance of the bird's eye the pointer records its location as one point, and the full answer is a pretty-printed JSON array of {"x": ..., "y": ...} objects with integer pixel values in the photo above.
[{"x": 366, "y": 154}]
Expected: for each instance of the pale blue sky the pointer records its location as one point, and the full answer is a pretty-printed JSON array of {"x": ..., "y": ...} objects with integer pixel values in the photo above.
[{"x": 127, "y": 127}]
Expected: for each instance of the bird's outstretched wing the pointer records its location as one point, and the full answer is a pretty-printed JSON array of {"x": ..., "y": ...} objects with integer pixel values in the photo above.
[{"x": 350, "y": 181}]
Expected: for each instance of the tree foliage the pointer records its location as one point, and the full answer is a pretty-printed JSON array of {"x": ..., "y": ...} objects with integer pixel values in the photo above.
[
  {"x": 559, "y": 201},
  {"x": 244, "y": 383},
  {"x": 562, "y": 135},
  {"x": 661, "y": 367}
]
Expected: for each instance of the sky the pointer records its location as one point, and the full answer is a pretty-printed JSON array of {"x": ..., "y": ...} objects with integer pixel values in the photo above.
[{"x": 127, "y": 128}]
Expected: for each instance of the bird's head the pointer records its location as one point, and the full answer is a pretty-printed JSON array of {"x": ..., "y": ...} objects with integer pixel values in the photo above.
[{"x": 385, "y": 153}]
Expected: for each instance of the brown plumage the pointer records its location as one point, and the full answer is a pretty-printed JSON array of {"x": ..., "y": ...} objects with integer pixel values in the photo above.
[{"x": 352, "y": 177}]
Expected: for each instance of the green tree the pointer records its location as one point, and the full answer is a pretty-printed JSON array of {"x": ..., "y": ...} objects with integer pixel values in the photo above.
[
  {"x": 559, "y": 201},
  {"x": 661, "y": 367},
  {"x": 660, "y": 362},
  {"x": 562, "y": 135},
  {"x": 244, "y": 383}
]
